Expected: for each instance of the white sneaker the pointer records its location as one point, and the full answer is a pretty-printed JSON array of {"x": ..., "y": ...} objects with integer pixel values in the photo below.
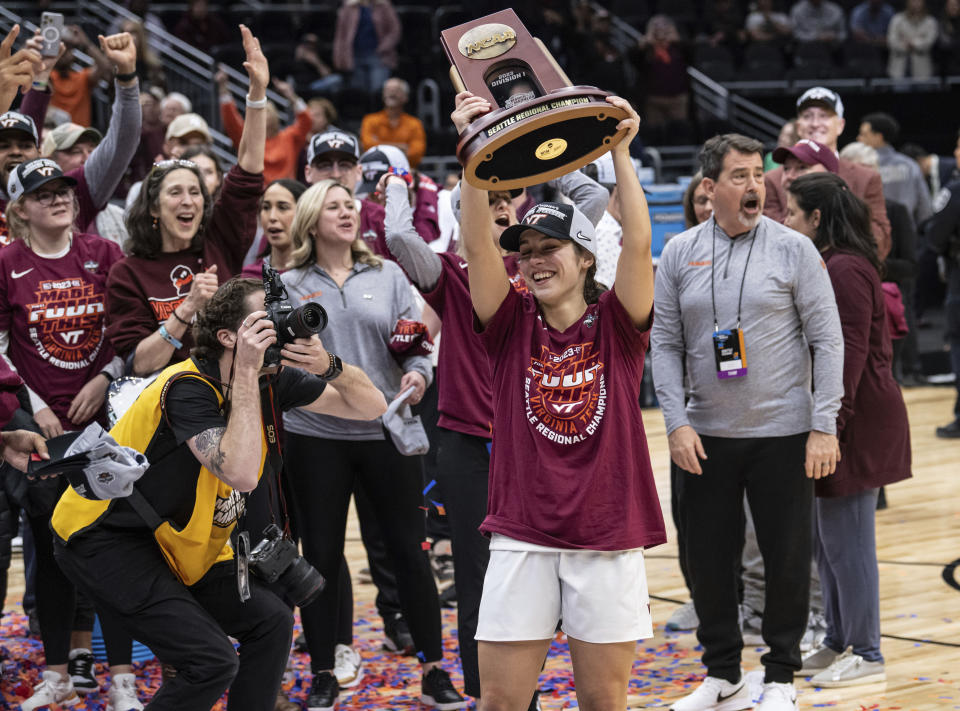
[
  {"x": 715, "y": 694},
  {"x": 778, "y": 697},
  {"x": 816, "y": 661},
  {"x": 815, "y": 632},
  {"x": 123, "y": 694},
  {"x": 54, "y": 689},
  {"x": 850, "y": 669},
  {"x": 347, "y": 666},
  {"x": 683, "y": 619}
]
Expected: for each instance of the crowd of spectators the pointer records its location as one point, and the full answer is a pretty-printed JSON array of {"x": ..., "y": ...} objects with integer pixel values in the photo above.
[{"x": 156, "y": 227}]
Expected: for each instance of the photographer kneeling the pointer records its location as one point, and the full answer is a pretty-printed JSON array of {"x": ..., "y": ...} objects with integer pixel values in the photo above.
[{"x": 160, "y": 560}]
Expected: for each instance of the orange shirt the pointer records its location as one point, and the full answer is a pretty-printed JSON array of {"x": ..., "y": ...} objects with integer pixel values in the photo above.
[
  {"x": 281, "y": 151},
  {"x": 378, "y": 128},
  {"x": 72, "y": 94}
]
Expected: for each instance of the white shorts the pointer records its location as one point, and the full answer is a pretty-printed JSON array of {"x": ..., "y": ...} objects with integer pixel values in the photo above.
[{"x": 600, "y": 596}]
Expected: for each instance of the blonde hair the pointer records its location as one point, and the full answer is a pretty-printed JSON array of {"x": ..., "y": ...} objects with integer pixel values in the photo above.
[
  {"x": 309, "y": 206},
  {"x": 20, "y": 228}
]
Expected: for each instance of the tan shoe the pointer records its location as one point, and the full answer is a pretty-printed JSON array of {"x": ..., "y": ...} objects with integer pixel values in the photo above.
[{"x": 285, "y": 704}]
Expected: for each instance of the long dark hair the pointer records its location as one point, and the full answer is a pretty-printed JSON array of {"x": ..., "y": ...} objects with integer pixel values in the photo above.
[
  {"x": 591, "y": 287},
  {"x": 145, "y": 240},
  {"x": 295, "y": 188},
  {"x": 844, "y": 218}
]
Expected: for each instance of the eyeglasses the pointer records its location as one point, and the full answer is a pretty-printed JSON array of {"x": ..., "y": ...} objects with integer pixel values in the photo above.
[
  {"x": 48, "y": 197},
  {"x": 175, "y": 163}
]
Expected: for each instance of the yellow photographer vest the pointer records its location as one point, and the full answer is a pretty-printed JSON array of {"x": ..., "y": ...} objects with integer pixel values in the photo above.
[{"x": 191, "y": 550}]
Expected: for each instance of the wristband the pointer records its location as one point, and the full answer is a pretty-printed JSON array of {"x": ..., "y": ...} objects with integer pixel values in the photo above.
[
  {"x": 251, "y": 104},
  {"x": 165, "y": 335},
  {"x": 129, "y": 76},
  {"x": 335, "y": 369},
  {"x": 106, "y": 375},
  {"x": 40, "y": 85},
  {"x": 177, "y": 316},
  {"x": 402, "y": 173}
]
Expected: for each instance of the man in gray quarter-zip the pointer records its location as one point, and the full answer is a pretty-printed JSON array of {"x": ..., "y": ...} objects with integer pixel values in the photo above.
[{"x": 740, "y": 302}]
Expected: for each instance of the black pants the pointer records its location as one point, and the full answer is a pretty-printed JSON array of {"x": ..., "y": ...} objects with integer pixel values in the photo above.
[
  {"x": 62, "y": 608},
  {"x": 187, "y": 627},
  {"x": 771, "y": 472},
  {"x": 378, "y": 555},
  {"x": 323, "y": 474},
  {"x": 676, "y": 493},
  {"x": 463, "y": 465}
]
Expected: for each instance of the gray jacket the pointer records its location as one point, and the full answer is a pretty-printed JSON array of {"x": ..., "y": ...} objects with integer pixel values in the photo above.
[
  {"x": 362, "y": 315},
  {"x": 903, "y": 181},
  {"x": 788, "y": 309}
]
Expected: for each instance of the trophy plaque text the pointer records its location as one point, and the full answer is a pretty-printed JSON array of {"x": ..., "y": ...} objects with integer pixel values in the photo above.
[{"x": 541, "y": 126}]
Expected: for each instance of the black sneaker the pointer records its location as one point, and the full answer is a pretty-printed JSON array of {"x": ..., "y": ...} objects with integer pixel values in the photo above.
[
  {"x": 951, "y": 431},
  {"x": 80, "y": 669},
  {"x": 323, "y": 692},
  {"x": 397, "y": 637},
  {"x": 300, "y": 644},
  {"x": 437, "y": 690}
]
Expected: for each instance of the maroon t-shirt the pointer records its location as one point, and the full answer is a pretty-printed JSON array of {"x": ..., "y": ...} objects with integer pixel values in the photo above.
[
  {"x": 142, "y": 293},
  {"x": 466, "y": 399},
  {"x": 570, "y": 466},
  {"x": 55, "y": 312},
  {"x": 10, "y": 383}
]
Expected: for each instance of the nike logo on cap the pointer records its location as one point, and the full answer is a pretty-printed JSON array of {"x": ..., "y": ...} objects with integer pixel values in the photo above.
[
  {"x": 582, "y": 236},
  {"x": 17, "y": 275}
]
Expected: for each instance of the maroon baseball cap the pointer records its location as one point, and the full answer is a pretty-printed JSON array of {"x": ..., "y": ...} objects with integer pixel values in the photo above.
[{"x": 809, "y": 152}]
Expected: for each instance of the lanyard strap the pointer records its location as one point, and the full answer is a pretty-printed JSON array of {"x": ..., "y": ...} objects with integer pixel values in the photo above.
[{"x": 743, "y": 279}]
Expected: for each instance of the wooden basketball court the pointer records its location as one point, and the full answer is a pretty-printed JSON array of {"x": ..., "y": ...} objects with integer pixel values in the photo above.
[{"x": 919, "y": 552}]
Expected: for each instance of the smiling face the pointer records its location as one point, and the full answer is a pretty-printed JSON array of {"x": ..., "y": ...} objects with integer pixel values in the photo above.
[
  {"x": 334, "y": 166},
  {"x": 277, "y": 210},
  {"x": 179, "y": 208},
  {"x": 48, "y": 209},
  {"x": 820, "y": 124},
  {"x": 738, "y": 192},
  {"x": 552, "y": 268},
  {"x": 16, "y": 147},
  {"x": 338, "y": 220}
]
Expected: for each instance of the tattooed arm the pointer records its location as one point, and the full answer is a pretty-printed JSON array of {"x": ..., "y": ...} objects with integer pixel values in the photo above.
[{"x": 232, "y": 453}]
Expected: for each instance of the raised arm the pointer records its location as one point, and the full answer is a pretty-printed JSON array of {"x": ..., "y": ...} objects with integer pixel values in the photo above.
[
  {"x": 634, "y": 282},
  {"x": 420, "y": 262},
  {"x": 489, "y": 284},
  {"x": 254, "y": 137},
  {"x": 109, "y": 160}
]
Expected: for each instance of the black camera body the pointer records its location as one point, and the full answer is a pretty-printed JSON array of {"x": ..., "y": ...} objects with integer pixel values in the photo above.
[
  {"x": 276, "y": 558},
  {"x": 289, "y": 322}
]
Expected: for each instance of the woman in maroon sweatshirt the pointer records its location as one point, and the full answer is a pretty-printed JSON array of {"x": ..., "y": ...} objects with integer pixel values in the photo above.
[
  {"x": 180, "y": 247},
  {"x": 872, "y": 428}
]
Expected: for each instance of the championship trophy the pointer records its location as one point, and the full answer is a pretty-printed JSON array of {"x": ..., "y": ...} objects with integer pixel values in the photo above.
[{"x": 542, "y": 125}]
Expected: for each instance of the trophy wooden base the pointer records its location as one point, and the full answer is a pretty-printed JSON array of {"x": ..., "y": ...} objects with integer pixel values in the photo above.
[{"x": 540, "y": 139}]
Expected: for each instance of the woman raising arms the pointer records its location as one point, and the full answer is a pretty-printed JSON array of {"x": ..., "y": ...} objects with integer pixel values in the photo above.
[{"x": 572, "y": 501}]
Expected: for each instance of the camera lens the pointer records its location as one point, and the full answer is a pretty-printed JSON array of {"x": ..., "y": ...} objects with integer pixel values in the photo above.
[
  {"x": 306, "y": 320},
  {"x": 302, "y": 582}
]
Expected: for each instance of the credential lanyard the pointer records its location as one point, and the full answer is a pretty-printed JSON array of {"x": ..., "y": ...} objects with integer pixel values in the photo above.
[{"x": 743, "y": 279}]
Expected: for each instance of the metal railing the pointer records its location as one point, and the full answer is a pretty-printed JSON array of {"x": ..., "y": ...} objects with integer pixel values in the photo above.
[{"x": 715, "y": 100}]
